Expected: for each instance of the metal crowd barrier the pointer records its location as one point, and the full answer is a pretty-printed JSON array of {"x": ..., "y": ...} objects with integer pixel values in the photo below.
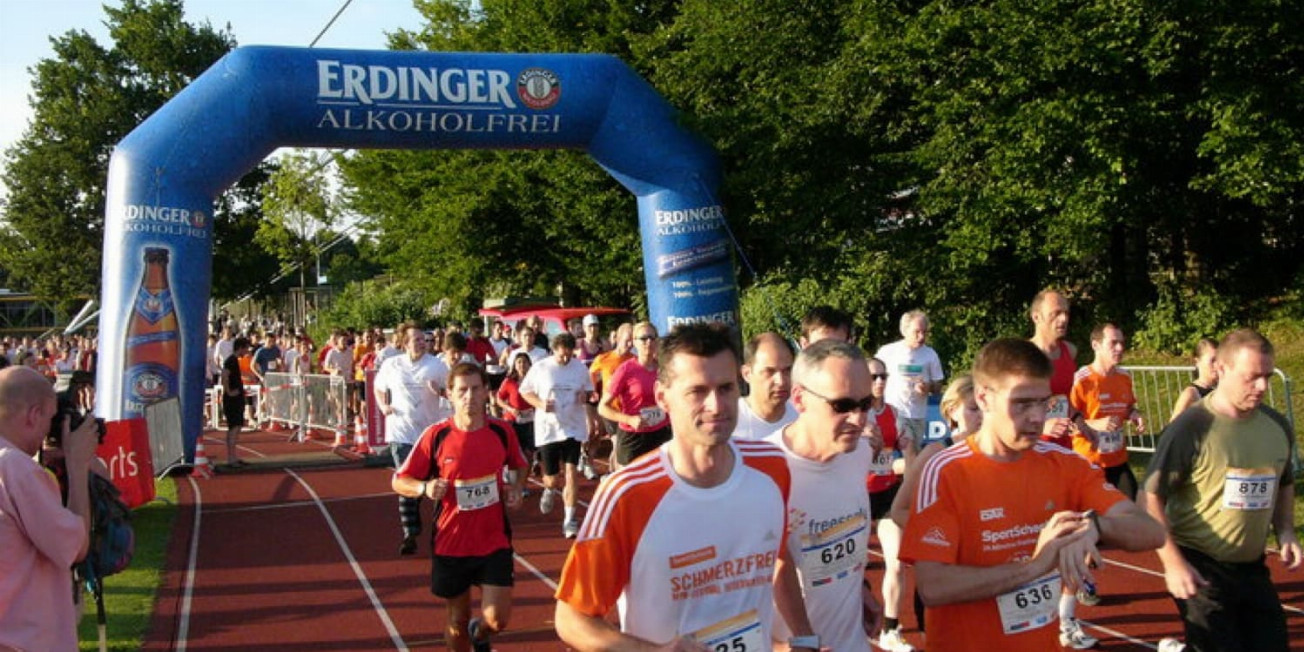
[
  {"x": 1157, "y": 388},
  {"x": 306, "y": 401}
]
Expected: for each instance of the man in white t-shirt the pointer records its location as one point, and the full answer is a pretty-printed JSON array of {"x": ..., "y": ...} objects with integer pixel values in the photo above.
[
  {"x": 684, "y": 541},
  {"x": 829, "y": 508},
  {"x": 767, "y": 368},
  {"x": 559, "y": 387},
  {"x": 222, "y": 350},
  {"x": 408, "y": 388},
  {"x": 914, "y": 374}
]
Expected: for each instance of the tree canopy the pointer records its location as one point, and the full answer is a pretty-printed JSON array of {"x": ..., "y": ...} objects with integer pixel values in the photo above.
[{"x": 891, "y": 155}]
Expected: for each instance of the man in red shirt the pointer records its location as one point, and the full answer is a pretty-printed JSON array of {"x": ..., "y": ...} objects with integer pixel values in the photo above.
[
  {"x": 457, "y": 463},
  {"x": 479, "y": 346}
]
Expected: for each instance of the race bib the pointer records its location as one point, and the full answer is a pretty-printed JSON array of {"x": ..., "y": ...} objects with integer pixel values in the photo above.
[
  {"x": 738, "y": 634},
  {"x": 1109, "y": 441},
  {"x": 833, "y": 553},
  {"x": 882, "y": 464},
  {"x": 478, "y": 493},
  {"x": 1030, "y": 606},
  {"x": 1249, "y": 489},
  {"x": 652, "y": 415},
  {"x": 1057, "y": 407}
]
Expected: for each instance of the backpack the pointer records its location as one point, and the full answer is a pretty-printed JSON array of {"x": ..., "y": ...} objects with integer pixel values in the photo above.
[{"x": 112, "y": 539}]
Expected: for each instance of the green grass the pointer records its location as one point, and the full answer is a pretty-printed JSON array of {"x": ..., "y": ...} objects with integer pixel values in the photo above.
[{"x": 129, "y": 595}]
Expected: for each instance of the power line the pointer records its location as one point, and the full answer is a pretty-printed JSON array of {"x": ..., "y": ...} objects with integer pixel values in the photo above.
[{"x": 330, "y": 22}]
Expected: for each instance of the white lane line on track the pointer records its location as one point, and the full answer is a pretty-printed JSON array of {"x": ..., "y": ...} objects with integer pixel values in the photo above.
[
  {"x": 299, "y": 503},
  {"x": 536, "y": 572},
  {"x": 357, "y": 568},
  {"x": 221, "y": 441},
  {"x": 188, "y": 586},
  {"x": 1160, "y": 575},
  {"x": 1117, "y": 634}
]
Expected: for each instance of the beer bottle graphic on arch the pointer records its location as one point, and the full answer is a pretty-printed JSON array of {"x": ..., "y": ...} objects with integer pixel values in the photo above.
[{"x": 153, "y": 351}]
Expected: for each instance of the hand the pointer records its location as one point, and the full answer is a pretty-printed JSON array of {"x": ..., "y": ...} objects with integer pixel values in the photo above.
[
  {"x": 435, "y": 489},
  {"x": 1057, "y": 427},
  {"x": 1183, "y": 580},
  {"x": 1070, "y": 541},
  {"x": 873, "y": 437},
  {"x": 1291, "y": 554},
  {"x": 1138, "y": 423},
  {"x": 1112, "y": 424},
  {"x": 79, "y": 445},
  {"x": 796, "y": 519},
  {"x": 921, "y": 388},
  {"x": 513, "y": 497}
]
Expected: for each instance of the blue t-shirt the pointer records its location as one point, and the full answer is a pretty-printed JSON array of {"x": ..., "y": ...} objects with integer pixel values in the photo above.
[{"x": 264, "y": 356}]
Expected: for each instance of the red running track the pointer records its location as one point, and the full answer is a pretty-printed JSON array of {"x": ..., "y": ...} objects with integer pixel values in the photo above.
[{"x": 286, "y": 558}]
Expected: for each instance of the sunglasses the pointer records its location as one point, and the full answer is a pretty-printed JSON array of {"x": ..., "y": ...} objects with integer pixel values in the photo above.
[
  {"x": 844, "y": 405},
  {"x": 874, "y": 377},
  {"x": 646, "y": 338}
]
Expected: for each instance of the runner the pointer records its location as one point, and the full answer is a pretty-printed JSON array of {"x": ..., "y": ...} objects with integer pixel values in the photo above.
[
  {"x": 1050, "y": 321},
  {"x": 829, "y": 535},
  {"x": 1206, "y": 377},
  {"x": 892, "y": 455},
  {"x": 558, "y": 387},
  {"x": 1102, "y": 393},
  {"x": 630, "y": 400},
  {"x": 408, "y": 390},
  {"x": 990, "y": 555},
  {"x": 701, "y": 505},
  {"x": 517, "y": 410},
  {"x": 915, "y": 373},
  {"x": 1220, "y": 477},
  {"x": 963, "y": 418},
  {"x": 457, "y": 463},
  {"x": 767, "y": 369},
  {"x": 600, "y": 371},
  {"x": 825, "y": 322}
]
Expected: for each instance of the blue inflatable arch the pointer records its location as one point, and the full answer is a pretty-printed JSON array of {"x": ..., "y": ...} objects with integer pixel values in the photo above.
[{"x": 166, "y": 174}]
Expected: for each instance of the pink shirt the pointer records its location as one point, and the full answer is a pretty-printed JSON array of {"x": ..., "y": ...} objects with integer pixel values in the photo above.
[
  {"x": 40, "y": 539},
  {"x": 634, "y": 385}
]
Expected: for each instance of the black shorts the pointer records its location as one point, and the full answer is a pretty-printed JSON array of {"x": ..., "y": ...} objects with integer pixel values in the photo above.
[
  {"x": 1238, "y": 610},
  {"x": 633, "y": 445},
  {"x": 233, "y": 408},
  {"x": 453, "y": 576},
  {"x": 880, "y": 503},
  {"x": 552, "y": 456},
  {"x": 1122, "y": 478},
  {"x": 525, "y": 436}
]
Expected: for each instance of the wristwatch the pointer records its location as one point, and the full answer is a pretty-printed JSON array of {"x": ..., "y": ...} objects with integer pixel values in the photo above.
[{"x": 808, "y": 642}]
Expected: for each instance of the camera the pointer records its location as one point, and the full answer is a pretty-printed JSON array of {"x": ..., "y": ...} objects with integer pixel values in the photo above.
[{"x": 67, "y": 407}]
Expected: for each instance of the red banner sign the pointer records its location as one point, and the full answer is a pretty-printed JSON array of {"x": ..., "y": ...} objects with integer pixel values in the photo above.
[{"x": 125, "y": 450}]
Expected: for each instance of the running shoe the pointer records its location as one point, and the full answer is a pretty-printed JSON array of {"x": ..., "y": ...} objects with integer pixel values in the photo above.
[
  {"x": 586, "y": 467},
  {"x": 570, "y": 528},
  {"x": 1072, "y": 636},
  {"x": 1171, "y": 645},
  {"x": 472, "y": 632},
  {"x": 1088, "y": 597},
  {"x": 891, "y": 640},
  {"x": 409, "y": 545},
  {"x": 546, "y": 500}
]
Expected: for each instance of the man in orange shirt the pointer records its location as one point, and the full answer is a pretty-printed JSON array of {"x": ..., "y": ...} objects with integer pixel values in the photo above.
[
  {"x": 1102, "y": 393},
  {"x": 1002, "y": 520}
]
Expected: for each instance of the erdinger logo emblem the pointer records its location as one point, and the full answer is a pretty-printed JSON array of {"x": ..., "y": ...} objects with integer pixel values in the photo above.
[{"x": 538, "y": 88}]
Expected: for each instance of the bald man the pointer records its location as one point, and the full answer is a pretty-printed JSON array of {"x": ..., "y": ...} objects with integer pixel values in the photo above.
[{"x": 41, "y": 539}]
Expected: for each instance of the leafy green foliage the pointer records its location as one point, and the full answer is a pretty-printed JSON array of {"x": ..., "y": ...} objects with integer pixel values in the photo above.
[
  {"x": 366, "y": 304},
  {"x": 85, "y": 99}
]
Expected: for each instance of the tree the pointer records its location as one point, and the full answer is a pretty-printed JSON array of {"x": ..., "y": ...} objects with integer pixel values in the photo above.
[
  {"x": 86, "y": 99},
  {"x": 298, "y": 208}
]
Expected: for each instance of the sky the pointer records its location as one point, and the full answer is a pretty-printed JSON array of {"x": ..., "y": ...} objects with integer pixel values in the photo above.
[{"x": 29, "y": 25}]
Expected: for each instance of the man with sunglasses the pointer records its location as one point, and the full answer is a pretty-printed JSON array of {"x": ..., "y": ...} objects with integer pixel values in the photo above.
[
  {"x": 629, "y": 399},
  {"x": 829, "y": 531},
  {"x": 1001, "y": 521}
]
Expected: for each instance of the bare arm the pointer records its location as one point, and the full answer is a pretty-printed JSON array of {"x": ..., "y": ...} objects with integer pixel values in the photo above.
[
  {"x": 1283, "y": 523},
  {"x": 585, "y": 633},
  {"x": 610, "y": 413},
  {"x": 533, "y": 399},
  {"x": 788, "y": 600},
  {"x": 905, "y": 498},
  {"x": 1186, "y": 399},
  {"x": 1182, "y": 580},
  {"x": 79, "y": 451},
  {"x": 414, "y": 488},
  {"x": 1130, "y": 528}
]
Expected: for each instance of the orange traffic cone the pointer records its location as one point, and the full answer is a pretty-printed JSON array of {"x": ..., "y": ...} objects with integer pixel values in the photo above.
[
  {"x": 340, "y": 441},
  {"x": 360, "y": 442},
  {"x": 202, "y": 468}
]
